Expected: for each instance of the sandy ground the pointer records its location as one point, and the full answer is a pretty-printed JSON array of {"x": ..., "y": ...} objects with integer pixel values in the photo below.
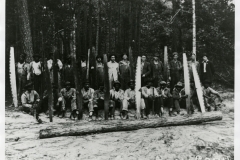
[{"x": 213, "y": 140}]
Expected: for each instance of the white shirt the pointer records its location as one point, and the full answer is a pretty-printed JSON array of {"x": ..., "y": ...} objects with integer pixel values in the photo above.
[
  {"x": 50, "y": 62},
  {"x": 36, "y": 67},
  {"x": 84, "y": 64},
  {"x": 113, "y": 70}
]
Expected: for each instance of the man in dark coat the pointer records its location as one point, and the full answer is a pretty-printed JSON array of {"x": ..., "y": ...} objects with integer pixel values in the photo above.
[
  {"x": 206, "y": 70},
  {"x": 175, "y": 67},
  {"x": 157, "y": 70},
  {"x": 68, "y": 74},
  {"x": 145, "y": 70},
  {"x": 124, "y": 69}
]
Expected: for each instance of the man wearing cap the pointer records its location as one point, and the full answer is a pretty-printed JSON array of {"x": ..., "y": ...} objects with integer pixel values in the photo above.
[
  {"x": 206, "y": 70},
  {"x": 50, "y": 67},
  {"x": 116, "y": 98},
  {"x": 130, "y": 100},
  {"x": 99, "y": 70},
  {"x": 175, "y": 68},
  {"x": 98, "y": 99},
  {"x": 178, "y": 95},
  {"x": 124, "y": 69},
  {"x": 23, "y": 75},
  {"x": 113, "y": 70},
  {"x": 36, "y": 69},
  {"x": 193, "y": 61},
  {"x": 166, "y": 97},
  {"x": 145, "y": 70},
  {"x": 68, "y": 74},
  {"x": 87, "y": 94},
  {"x": 211, "y": 97},
  {"x": 30, "y": 101},
  {"x": 151, "y": 98},
  {"x": 157, "y": 70},
  {"x": 67, "y": 98}
]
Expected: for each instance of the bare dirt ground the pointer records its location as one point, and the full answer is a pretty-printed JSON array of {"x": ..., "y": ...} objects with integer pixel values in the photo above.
[{"x": 212, "y": 140}]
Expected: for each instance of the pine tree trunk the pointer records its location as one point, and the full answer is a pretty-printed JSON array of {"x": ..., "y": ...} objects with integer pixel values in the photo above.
[
  {"x": 98, "y": 25},
  {"x": 130, "y": 24},
  {"x": 25, "y": 29},
  {"x": 194, "y": 28},
  {"x": 77, "y": 77}
]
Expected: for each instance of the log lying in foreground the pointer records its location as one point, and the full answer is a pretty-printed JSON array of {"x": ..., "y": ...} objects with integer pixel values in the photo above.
[{"x": 83, "y": 128}]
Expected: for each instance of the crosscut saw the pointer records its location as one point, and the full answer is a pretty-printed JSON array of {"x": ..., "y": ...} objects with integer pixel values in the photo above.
[
  {"x": 198, "y": 87},
  {"x": 138, "y": 86},
  {"x": 13, "y": 77},
  {"x": 186, "y": 82}
]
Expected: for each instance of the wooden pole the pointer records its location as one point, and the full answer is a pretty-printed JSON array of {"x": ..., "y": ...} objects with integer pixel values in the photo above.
[
  {"x": 106, "y": 87},
  {"x": 194, "y": 28}
]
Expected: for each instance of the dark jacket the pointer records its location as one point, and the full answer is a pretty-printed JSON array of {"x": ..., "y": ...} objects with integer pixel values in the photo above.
[
  {"x": 208, "y": 75},
  {"x": 146, "y": 69}
]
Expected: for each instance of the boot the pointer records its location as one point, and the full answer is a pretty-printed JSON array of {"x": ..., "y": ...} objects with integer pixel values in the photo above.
[
  {"x": 143, "y": 114},
  {"x": 209, "y": 108},
  {"x": 216, "y": 108}
]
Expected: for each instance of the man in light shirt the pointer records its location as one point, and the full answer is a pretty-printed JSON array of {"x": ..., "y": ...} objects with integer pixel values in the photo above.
[
  {"x": 87, "y": 94},
  {"x": 116, "y": 98},
  {"x": 36, "y": 68},
  {"x": 30, "y": 101},
  {"x": 50, "y": 67},
  {"x": 113, "y": 70},
  {"x": 151, "y": 98},
  {"x": 23, "y": 75},
  {"x": 129, "y": 101}
]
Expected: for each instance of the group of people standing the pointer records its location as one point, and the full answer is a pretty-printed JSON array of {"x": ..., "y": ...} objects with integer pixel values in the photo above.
[{"x": 156, "y": 93}]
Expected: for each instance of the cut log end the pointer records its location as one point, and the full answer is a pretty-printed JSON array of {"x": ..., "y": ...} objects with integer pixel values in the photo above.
[{"x": 83, "y": 128}]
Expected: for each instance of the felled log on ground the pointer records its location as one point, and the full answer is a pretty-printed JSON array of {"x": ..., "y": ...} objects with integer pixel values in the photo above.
[{"x": 82, "y": 128}]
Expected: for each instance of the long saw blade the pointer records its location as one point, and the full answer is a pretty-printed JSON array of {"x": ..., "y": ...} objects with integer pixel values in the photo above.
[
  {"x": 198, "y": 87},
  {"x": 13, "y": 77},
  {"x": 186, "y": 82},
  {"x": 166, "y": 68},
  {"x": 138, "y": 86}
]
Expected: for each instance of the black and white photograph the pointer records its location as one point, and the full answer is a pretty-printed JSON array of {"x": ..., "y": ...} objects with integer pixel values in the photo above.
[{"x": 119, "y": 80}]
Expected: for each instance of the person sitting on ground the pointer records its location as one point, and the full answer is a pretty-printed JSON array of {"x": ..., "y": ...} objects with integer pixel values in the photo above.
[
  {"x": 67, "y": 98},
  {"x": 87, "y": 94},
  {"x": 178, "y": 96},
  {"x": 166, "y": 97},
  {"x": 211, "y": 97},
  {"x": 116, "y": 98},
  {"x": 129, "y": 101},
  {"x": 98, "y": 100},
  {"x": 150, "y": 96},
  {"x": 30, "y": 101}
]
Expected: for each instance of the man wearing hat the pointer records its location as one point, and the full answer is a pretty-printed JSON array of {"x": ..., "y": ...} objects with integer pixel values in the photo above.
[
  {"x": 36, "y": 69},
  {"x": 99, "y": 70},
  {"x": 87, "y": 94},
  {"x": 116, "y": 98},
  {"x": 145, "y": 70},
  {"x": 206, "y": 70},
  {"x": 157, "y": 70},
  {"x": 175, "y": 68},
  {"x": 124, "y": 69},
  {"x": 113, "y": 70},
  {"x": 23, "y": 75},
  {"x": 166, "y": 97},
  {"x": 67, "y": 97},
  {"x": 98, "y": 99},
  {"x": 30, "y": 101},
  {"x": 178, "y": 95},
  {"x": 211, "y": 97},
  {"x": 130, "y": 100},
  {"x": 151, "y": 99},
  {"x": 67, "y": 72}
]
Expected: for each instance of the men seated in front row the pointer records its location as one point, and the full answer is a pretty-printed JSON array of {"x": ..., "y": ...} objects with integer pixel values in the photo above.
[
  {"x": 116, "y": 99},
  {"x": 67, "y": 98},
  {"x": 87, "y": 94},
  {"x": 166, "y": 98},
  {"x": 151, "y": 98},
  {"x": 30, "y": 101},
  {"x": 211, "y": 97},
  {"x": 178, "y": 96},
  {"x": 129, "y": 101},
  {"x": 98, "y": 100}
]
